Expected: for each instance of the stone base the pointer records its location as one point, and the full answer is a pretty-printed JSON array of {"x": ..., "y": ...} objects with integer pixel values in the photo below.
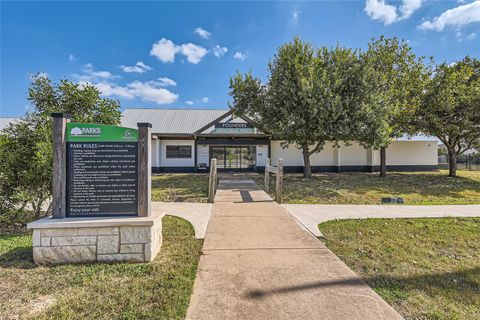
[{"x": 76, "y": 240}]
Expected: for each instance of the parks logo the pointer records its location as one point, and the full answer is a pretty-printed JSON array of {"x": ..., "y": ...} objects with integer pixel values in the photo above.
[{"x": 85, "y": 132}]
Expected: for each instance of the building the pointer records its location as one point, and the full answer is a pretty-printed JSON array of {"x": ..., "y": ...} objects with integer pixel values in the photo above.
[{"x": 185, "y": 141}]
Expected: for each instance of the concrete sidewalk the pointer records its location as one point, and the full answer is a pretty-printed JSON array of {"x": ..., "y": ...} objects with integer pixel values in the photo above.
[
  {"x": 311, "y": 215},
  {"x": 259, "y": 263}
]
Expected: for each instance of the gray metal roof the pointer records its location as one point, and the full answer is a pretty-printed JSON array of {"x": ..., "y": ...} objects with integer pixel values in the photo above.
[
  {"x": 5, "y": 121},
  {"x": 171, "y": 121}
]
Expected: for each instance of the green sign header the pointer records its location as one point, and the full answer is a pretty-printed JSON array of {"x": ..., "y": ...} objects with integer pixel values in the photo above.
[{"x": 91, "y": 132}]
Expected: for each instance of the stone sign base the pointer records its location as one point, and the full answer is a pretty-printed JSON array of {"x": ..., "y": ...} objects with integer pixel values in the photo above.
[{"x": 76, "y": 240}]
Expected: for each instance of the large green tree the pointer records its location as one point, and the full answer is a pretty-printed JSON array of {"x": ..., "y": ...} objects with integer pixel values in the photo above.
[
  {"x": 451, "y": 107},
  {"x": 26, "y": 145},
  {"x": 307, "y": 98},
  {"x": 394, "y": 79}
]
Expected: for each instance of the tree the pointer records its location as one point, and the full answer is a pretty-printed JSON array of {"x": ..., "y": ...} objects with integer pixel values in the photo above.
[
  {"x": 394, "y": 78},
  {"x": 26, "y": 145},
  {"x": 450, "y": 108},
  {"x": 305, "y": 99}
]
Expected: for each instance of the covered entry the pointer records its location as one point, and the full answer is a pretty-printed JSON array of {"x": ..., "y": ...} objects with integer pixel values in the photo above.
[{"x": 234, "y": 157}]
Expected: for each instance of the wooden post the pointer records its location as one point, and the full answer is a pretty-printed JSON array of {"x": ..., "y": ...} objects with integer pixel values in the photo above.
[
  {"x": 144, "y": 169},
  {"x": 212, "y": 180},
  {"x": 267, "y": 175},
  {"x": 59, "y": 191},
  {"x": 279, "y": 186}
]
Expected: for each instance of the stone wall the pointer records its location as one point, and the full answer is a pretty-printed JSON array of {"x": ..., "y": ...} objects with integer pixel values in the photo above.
[{"x": 97, "y": 243}]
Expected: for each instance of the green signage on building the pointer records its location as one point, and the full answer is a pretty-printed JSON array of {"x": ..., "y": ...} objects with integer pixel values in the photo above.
[{"x": 91, "y": 132}]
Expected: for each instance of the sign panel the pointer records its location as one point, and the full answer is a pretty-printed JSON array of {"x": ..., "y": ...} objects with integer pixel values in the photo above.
[
  {"x": 234, "y": 128},
  {"x": 102, "y": 170}
]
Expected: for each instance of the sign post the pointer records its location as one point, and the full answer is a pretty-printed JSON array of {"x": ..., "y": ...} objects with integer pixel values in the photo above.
[{"x": 103, "y": 171}]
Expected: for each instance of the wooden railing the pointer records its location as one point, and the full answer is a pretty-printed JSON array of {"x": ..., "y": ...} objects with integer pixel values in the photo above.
[
  {"x": 212, "y": 180},
  {"x": 278, "y": 171}
]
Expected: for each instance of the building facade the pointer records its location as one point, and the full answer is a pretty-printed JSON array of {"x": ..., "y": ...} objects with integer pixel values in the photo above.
[{"x": 186, "y": 140}]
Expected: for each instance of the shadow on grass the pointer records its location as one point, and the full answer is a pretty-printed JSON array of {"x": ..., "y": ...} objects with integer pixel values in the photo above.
[
  {"x": 19, "y": 257},
  {"x": 463, "y": 282}
]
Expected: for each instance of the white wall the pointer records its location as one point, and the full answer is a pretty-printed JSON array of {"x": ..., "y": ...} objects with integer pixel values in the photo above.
[
  {"x": 412, "y": 153},
  {"x": 181, "y": 162},
  {"x": 398, "y": 153}
]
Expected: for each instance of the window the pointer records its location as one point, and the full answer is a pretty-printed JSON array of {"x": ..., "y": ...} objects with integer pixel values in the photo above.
[{"x": 175, "y": 152}]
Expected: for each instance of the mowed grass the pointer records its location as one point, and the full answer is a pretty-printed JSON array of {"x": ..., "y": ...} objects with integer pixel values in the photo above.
[
  {"x": 180, "y": 187},
  {"x": 416, "y": 188},
  {"x": 157, "y": 290},
  {"x": 425, "y": 268}
]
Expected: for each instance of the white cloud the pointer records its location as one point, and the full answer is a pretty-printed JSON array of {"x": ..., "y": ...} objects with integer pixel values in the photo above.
[
  {"x": 189, "y": 102},
  {"x": 219, "y": 51},
  {"x": 148, "y": 91},
  {"x": 71, "y": 58},
  {"x": 240, "y": 56},
  {"x": 295, "y": 16},
  {"x": 202, "y": 33},
  {"x": 38, "y": 75},
  {"x": 164, "y": 81},
  {"x": 193, "y": 52},
  {"x": 388, "y": 13},
  {"x": 164, "y": 50},
  {"x": 205, "y": 99},
  {"x": 460, "y": 36},
  {"x": 456, "y": 17},
  {"x": 139, "y": 67},
  {"x": 89, "y": 74}
]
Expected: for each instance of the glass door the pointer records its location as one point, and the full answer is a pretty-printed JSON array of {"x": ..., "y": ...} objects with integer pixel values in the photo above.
[{"x": 234, "y": 158}]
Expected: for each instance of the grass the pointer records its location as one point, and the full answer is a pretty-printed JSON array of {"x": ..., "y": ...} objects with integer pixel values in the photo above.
[
  {"x": 416, "y": 188},
  {"x": 180, "y": 187},
  {"x": 425, "y": 268},
  {"x": 157, "y": 290}
]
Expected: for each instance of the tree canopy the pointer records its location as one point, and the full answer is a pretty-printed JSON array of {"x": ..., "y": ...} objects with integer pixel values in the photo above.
[{"x": 26, "y": 145}]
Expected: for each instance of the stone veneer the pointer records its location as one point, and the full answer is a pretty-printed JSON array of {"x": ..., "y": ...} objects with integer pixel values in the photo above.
[{"x": 73, "y": 240}]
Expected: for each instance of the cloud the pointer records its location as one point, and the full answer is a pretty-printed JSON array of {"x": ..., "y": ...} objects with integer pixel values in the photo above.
[
  {"x": 205, "y": 99},
  {"x": 189, "y": 102},
  {"x": 295, "y": 16},
  {"x": 387, "y": 13},
  {"x": 165, "y": 51},
  {"x": 456, "y": 17},
  {"x": 219, "y": 51},
  {"x": 164, "y": 81},
  {"x": 150, "y": 91},
  {"x": 240, "y": 56},
  {"x": 139, "y": 67},
  {"x": 71, "y": 58},
  {"x": 38, "y": 75},
  {"x": 89, "y": 74},
  {"x": 460, "y": 36},
  {"x": 202, "y": 33},
  {"x": 193, "y": 52}
]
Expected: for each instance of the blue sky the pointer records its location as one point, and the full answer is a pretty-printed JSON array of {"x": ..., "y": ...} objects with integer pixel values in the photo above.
[{"x": 181, "y": 54}]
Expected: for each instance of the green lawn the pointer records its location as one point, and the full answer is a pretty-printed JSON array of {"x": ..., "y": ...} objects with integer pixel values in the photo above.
[
  {"x": 180, "y": 187},
  {"x": 157, "y": 290},
  {"x": 418, "y": 188},
  {"x": 425, "y": 268}
]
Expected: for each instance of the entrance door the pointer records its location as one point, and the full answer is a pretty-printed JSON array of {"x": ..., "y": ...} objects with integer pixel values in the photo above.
[{"x": 234, "y": 158}]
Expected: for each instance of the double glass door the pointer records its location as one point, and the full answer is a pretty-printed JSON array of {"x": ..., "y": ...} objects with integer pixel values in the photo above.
[{"x": 234, "y": 158}]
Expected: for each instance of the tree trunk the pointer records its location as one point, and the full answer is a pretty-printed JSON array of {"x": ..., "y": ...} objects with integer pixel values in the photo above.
[
  {"x": 383, "y": 162},
  {"x": 307, "y": 169},
  {"x": 452, "y": 163}
]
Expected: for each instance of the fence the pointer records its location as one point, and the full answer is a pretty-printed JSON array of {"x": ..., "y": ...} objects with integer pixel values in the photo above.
[{"x": 278, "y": 172}]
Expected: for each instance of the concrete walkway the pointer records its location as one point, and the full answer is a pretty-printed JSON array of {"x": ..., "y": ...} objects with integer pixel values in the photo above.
[
  {"x": 259, "y": 263},
  {"x": 311, "y": 215},
  {"x": 198, "y": 214}
]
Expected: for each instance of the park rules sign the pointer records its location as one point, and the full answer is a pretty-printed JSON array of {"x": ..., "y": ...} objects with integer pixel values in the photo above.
[{"x": 102, "y": 170}]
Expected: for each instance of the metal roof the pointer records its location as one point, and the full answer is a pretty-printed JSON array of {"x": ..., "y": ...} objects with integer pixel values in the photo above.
[
  {"x": 5, "y": 121},
  {"x": 171, "y": 121}
]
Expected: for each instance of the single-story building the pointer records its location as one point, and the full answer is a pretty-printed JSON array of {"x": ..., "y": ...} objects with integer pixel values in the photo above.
[{"x": 184, "y": 140}]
